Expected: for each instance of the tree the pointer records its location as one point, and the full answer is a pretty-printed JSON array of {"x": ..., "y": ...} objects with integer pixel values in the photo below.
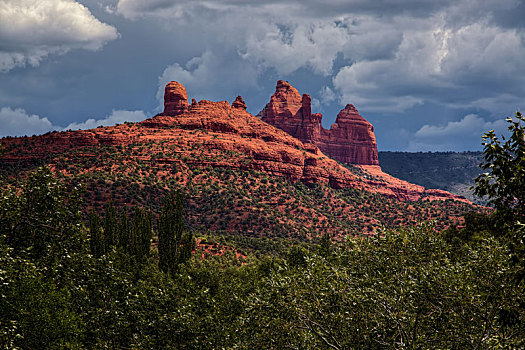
[
  {"x": 124, "y": 232},
  {"x": 142, "y": 228},
  {"x": 170, "y": 229},
  {"x": 395, "y": 290},
  {"x": 96, "y": 241},
  {"x": 41, "y": 240},
  {"x": 110, "y": 226},
  {"x": 504, "y": 183},
  {"x": 41, "y": 218}
]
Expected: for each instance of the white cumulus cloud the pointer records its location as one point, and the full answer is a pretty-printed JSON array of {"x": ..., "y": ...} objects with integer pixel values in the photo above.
[
  {"x": 305, "y": 45},
  {"x": 17, "y": 122},
  {"x": 31, "y": 30},
  {"x": 163, "y": 8},
  {"x": 327, "y": 95},
  {"x": 384, "y": 56},
  {"x": 463, "y": 134},
  {"x": 436, "y": 63},
  {"x": 116, "y": 117}
]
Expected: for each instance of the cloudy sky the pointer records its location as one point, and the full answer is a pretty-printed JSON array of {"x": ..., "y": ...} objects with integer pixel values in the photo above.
[{"x": 430, "y": 75}]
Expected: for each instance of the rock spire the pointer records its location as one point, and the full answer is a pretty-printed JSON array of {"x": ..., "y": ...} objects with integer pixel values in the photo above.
[
  {"x": 175, "y": 99},
  {"x": 350, "y": 139}
]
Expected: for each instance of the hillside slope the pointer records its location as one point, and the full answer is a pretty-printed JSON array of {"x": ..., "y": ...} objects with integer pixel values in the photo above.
[{"x": 242, "y": 175}]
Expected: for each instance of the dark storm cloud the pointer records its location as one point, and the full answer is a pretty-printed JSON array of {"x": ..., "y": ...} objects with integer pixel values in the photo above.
[
  {"x": 312, "y": 8},
  {"x": 461, "y": 67},
  {"x": 392, "y": 59}
]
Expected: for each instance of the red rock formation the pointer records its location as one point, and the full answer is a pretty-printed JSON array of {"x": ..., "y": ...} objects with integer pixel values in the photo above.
[
  {"x": 239, "y": 103},
  {"x": 284, "y": 108},
  {"x": 284, "y": 103},
  {"x": 350, "y": 140},
  {"x": 175, "y": 99},
  {"x": 216, "y": 134}
]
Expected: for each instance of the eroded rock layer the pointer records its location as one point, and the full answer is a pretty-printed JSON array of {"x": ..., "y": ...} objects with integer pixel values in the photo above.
[{"x": 350, "y": 139}]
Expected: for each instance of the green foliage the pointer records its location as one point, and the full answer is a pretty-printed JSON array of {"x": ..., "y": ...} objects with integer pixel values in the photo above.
[
  {"x": 36, "y": 312},
  {"x": 142, "y": 232},
  {"x": 133, "y": 235},
  {"x": 124, "y": 232},
  {"x": 40, "y": 237},
  {"x": 504, "y": 183},
  {"x": 325, "y": 246},
  {"x": 42, "y": 218},
  {"x": 403, "y": 290},
  {"x": 297, "y": 255},
  {"x": 96, "y": 242},
  {"x": 175, "y": 246},
  {"x": 110, "y": 226},
  {"x": 99, "y": 287},
  {"x": 170, "y": 229}
]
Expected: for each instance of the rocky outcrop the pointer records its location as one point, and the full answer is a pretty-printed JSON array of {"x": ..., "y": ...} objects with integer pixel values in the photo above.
[
  {"x": 239, "y": 103},
  {"x": 175, "y": 99},
  {"x": 285, "y": 109},
  {"x": 350, "y": 140}
]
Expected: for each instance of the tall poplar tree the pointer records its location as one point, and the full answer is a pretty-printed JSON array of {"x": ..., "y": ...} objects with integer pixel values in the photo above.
[
  {"x": 142, "y": 231},
  {"x": 110, "y": 226},
  {"x": 96, "y": 241},
  {"x": 170, "y": 230}
]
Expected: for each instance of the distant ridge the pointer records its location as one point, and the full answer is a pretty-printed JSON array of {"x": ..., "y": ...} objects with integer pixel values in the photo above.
[{"x": 449, "y": 171}]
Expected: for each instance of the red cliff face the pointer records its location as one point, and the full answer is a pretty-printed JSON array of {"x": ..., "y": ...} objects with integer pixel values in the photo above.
[
  {"x": 175, "y": 99},
  {"x": 284, "y": 109},
  {"x": 239, "y": 103},
  {"x": 350, "y": 140}
]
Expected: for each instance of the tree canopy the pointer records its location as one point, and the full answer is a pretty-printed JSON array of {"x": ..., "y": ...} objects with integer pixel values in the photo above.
[{"x": 504, "y": 181}]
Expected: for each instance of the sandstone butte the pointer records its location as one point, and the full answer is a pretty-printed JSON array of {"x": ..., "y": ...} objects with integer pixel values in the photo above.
[
  {"x": 350, "y": 140},
  {"x": 248, "y": 142}
]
